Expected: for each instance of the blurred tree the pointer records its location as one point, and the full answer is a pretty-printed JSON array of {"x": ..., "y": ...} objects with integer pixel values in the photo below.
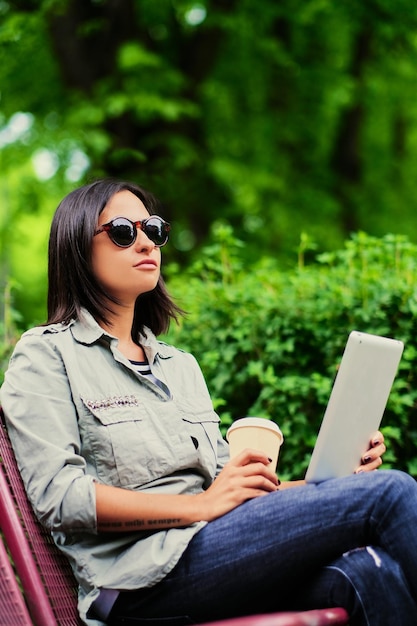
[{"x": 280, "y": 117}]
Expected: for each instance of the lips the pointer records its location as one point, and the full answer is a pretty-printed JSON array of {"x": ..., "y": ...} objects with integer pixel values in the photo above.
[{"x": 146, "y": 263}]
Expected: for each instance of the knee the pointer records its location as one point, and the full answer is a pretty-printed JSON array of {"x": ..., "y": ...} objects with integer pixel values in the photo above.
[
  {"x": 396, "y": 483},
  {"x": 367, "y": 561},
  {"x": 371, "y": 567},
  {"x": 368, "y": 580}
]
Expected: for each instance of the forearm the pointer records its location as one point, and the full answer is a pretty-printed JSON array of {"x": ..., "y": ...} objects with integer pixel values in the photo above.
[
  {"x": 124, "y": 510},
  {"x": 245, "y": 477},
  {"x": 287, "y": 484}
]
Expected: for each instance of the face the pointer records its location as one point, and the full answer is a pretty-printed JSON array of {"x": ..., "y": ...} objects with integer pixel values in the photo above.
[{"x": 125, "y": 272}]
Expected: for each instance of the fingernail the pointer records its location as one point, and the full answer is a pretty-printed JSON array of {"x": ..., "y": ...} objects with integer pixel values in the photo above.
[
  {"x": 366, "y": 459},
  {"x": 270, "y": 460},
  {"x": 279, "y": 482}
]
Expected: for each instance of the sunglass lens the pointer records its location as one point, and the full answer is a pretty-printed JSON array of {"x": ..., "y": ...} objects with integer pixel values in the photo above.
[
  {"x": 155, "y": 229},
  {"x": 123, "y": 233}
]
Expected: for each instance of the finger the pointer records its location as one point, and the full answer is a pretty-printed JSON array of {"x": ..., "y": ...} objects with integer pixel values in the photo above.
[
  {"x": 259, "y": 470},
  {"x": 373, "y": 454},
  {"x": 250, "y": 455},
  {"x": 376, "y": 439},
  {"x": 370, "y": 466},
  {"x": 378, "y": 450},
  {"x": 260, "y": 483}
]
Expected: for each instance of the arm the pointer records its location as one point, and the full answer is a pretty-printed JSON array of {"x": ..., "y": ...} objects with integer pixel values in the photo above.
[
  {"x": 243, "y": 478},
  {"x": 43, "y": 427}
]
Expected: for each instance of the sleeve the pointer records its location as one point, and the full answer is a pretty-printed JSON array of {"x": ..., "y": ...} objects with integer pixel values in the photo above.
[{"x": 43, "y": 427}]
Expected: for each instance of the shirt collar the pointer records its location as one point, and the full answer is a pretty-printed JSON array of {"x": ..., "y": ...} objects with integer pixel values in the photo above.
[{"x": 87, "y": 331}]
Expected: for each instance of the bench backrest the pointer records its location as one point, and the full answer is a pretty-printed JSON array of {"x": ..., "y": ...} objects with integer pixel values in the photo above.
[{"x": 46, "y": 578}]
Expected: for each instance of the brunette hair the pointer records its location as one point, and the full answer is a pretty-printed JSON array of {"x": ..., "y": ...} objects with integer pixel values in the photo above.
[{"x": 71, "y": 282}]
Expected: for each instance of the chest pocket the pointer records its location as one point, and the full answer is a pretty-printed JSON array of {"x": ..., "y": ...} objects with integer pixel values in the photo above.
[
  {"x": 120, "y": 442},
  {"x": 131, "y": 444},
  {"x": 202, "y": 425}
]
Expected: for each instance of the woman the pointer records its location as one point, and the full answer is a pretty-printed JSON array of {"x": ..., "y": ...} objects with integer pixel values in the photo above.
[{"x": 122, "y": 457}]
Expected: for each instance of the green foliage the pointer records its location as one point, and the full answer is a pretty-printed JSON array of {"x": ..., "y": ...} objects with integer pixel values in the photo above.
[
  {"x": 9, "y": 318},
  {"x": 269, "y": 341},
  {"x": 281, "y": 117},
  {"x": 24, "y": 233}
]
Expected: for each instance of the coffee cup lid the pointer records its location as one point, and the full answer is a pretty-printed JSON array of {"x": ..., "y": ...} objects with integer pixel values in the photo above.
[{"x": 260, "y": 422}]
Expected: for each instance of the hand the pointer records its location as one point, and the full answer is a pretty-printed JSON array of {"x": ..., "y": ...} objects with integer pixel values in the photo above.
[
  {"x": 244, "y": 477},
  {"x": 371, "y": 460}
]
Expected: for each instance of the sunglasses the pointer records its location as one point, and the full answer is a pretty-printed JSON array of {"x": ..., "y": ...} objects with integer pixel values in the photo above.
[{"x": 123, "y": 232}]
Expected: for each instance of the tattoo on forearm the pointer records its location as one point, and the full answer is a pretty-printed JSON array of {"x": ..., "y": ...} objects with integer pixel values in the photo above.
[
  {"x": 134, "y": 523},
  {"x": 110, "y": 525},
  {"x": 165, "y": 522},
  {"x": 140, "y": 523}
]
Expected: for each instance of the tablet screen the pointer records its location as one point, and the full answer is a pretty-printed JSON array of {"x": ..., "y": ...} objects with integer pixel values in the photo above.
[{"x": 356, "y": 405}]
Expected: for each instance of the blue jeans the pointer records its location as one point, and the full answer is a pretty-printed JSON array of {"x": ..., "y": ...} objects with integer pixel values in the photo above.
[{"x": 349, "y": 542}]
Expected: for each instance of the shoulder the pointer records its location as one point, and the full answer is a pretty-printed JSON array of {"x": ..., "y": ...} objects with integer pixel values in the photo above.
[
  {"x": 83, "y": 330},
  {"x": 42, "y": 334},
  {"x": 37, "y": 342},
  {"x": 44, "y": 331}
]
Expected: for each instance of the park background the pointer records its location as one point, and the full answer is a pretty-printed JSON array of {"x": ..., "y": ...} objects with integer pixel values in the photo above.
[{"x": 281, "y": 139}]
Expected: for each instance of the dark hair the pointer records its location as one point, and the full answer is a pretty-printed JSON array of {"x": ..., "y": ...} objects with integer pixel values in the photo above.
[{"x": 71, "y": 282}]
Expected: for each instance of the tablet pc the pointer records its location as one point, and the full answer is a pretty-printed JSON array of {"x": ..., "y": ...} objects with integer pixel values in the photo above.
[{"x": 356, "y": 405}]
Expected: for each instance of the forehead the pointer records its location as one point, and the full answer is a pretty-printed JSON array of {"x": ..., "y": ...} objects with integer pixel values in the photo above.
[{"x": 124, "y": 204}]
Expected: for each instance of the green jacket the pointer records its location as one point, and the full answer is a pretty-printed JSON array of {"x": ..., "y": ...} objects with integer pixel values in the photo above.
[{"x": 78, "y": 412}]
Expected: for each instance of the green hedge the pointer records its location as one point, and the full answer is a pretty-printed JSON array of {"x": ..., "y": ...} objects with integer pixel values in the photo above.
[
  {"x": 269, "y": 341},
  {"x": 9, "y": 319}
]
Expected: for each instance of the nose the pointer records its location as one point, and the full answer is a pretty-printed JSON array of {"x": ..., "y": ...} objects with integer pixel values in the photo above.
[{"x": 143, "y": 243}]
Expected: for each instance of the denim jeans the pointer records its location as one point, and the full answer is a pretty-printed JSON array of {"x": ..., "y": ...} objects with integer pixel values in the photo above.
[{"x": 348, "y": 542}]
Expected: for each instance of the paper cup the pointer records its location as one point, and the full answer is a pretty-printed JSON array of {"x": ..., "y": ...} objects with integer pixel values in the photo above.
[{"x": 258, "y": 433}]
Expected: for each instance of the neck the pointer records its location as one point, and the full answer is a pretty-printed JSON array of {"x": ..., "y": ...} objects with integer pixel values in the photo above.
[{"x": 120, "y": 326}]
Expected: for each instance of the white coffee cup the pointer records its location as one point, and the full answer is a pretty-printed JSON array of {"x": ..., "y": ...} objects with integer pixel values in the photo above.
[{"x": 258, "y": 433}]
